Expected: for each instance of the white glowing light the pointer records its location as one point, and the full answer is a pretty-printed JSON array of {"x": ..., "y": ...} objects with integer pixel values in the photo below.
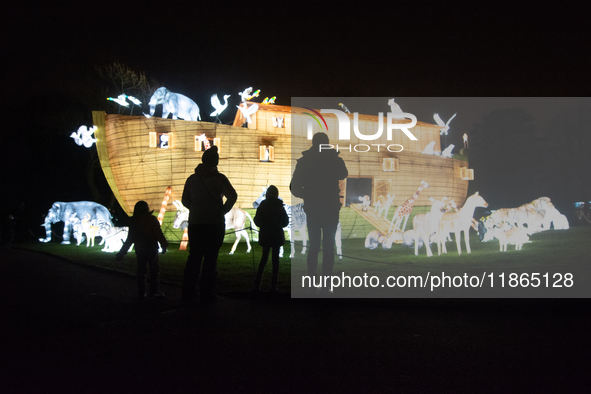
[
  {"x": 429, "y": 149},
  {"x": 134, "y": 100},
  {"x": 447, "y": 151},
  {"x": 180, "y": 106},
  {"x": 205, "y": 141},
  {"x": 246, "y": 94},
  {"x": 219, "y": 107},
  {"x": 84, "y": 136},
  {"x": 444, "y": 127},
  {"x": 395, "y": 109},
  {"x": 72, "y": 213},
  {"x": 247, "y": 111},
  {"x": 119, "y": 101}
]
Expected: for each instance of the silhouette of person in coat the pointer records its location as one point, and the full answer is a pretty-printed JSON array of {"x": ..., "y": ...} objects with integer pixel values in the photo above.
[{"x": 271, "y": 218}]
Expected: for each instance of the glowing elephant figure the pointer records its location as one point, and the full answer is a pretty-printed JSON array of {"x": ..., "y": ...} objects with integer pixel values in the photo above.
[
  {"x": 178, "y": 105},
  {"x": 67, "y": 211}
]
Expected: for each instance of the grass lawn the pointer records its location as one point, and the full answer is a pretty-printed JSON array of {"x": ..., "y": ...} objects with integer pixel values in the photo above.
[{"x": 550, "y": 251}]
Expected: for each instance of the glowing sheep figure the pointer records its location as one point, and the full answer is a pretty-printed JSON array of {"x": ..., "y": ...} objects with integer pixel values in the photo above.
[
  {"x": 114, "y": 239},
  {"x": 507, "y": 235},
  {"x": 365, "y": 202}
]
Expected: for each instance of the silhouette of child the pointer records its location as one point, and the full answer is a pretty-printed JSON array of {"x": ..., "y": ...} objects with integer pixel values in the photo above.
[
  {"x": 271, "y": 218},
  {"x": 145, "y": 233}
]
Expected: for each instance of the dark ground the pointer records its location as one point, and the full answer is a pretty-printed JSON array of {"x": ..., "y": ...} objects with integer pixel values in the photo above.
[{"x": 71, "y": 328}]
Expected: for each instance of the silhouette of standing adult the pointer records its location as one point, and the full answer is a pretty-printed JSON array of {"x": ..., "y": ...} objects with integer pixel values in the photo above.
[
  {"x": 316, "y": 180},
  {"x": 203, "y": 194}
]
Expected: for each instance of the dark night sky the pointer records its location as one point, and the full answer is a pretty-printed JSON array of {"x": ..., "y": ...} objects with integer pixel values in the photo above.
[{"x": 297, "y": 49}]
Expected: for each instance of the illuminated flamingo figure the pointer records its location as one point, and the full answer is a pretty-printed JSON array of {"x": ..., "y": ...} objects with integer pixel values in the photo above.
[{"x": 219, "y": 107}]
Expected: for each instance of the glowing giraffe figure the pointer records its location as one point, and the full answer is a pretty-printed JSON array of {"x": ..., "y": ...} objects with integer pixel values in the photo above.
[
  {"x": 404, "y": 210},
  {"x": 205, "y": 141},
  {"x": 164, "y": 204}
]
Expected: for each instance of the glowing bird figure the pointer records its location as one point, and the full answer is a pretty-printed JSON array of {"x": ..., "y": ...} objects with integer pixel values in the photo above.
[
  {"x": 119, "y": 100},
  {"x": 84, "y": 136},
  {"x": 247, "y": 111},
  {"x": 266, "y": 100},
  {"x": 219, "y": 107},
  {"x": 272, "y": 100},
  {"x": 134, "y": 100},
  {"x": 255, "y": 94},
  {"x": 444, "y": 127},
  {"x": 245, "y": 95}
]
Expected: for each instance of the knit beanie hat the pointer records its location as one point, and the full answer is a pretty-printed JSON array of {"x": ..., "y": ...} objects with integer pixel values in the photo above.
[
  {"x": 211, "y": 156},
  {"x": 272, "y": 193}
]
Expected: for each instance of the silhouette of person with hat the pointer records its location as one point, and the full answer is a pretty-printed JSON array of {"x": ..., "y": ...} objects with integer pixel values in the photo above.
[
  {"x": 203, "y": 194},
  {"x": 316, "y": 180}
]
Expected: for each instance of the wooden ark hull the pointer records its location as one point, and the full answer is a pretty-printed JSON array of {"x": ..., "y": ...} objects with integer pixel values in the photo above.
[
  {"x": 135, "y": 171},
  {"x": 138, "y": 170}
]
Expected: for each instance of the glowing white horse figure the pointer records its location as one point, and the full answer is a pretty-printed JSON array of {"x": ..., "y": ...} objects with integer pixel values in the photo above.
[
  {"x": 459, "y": 221},
  {"x": 235, "y": 219}
]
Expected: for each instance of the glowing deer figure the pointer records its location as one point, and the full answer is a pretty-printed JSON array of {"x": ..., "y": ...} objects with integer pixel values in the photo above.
[{"x": 87, "y": 228}]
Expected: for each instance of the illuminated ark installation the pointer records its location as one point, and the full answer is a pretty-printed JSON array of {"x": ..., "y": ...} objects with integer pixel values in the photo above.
[{"x": 141, "y": 157}]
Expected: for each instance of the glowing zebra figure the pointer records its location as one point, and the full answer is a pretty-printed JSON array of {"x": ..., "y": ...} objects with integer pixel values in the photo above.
[{"x": 298, "y": 222}]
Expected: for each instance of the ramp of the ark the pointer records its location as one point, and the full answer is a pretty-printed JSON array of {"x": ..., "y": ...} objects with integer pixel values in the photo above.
[{"x": 381, "y": 224}]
